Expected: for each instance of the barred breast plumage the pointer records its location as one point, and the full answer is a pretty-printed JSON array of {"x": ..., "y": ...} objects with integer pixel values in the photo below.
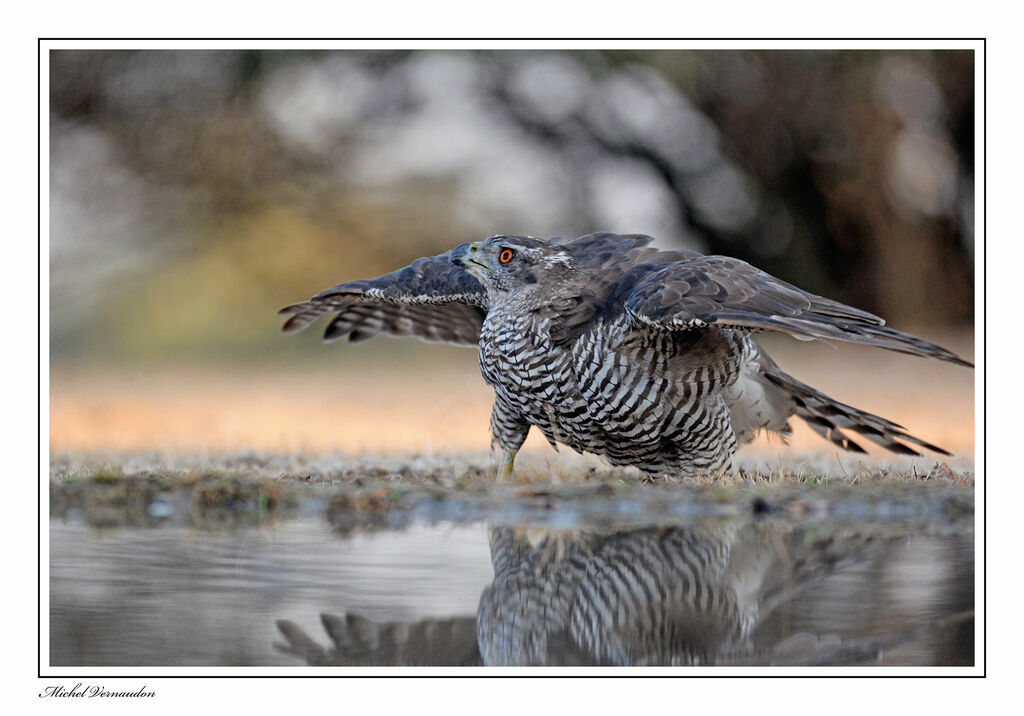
[
  {"x": 609, "y": 346},
  {"x": 650, "y": 400},
  {"x": 653, "y": 596}
]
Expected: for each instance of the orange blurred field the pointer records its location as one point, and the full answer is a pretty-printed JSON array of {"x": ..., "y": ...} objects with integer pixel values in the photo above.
[{"x": 444, "y": 406}]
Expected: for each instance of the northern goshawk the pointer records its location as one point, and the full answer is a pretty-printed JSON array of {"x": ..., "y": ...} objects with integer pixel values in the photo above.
[{"x": 613, "y": 347}]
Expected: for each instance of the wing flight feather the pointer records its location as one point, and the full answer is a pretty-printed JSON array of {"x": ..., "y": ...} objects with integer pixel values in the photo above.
[
  {"x": 430, "y": 299},
  {"x": 718, "y": 289}
]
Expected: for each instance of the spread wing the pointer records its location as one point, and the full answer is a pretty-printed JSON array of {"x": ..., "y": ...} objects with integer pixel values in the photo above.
[
  {"x": 717, "y": 289},
  {"x": 431, "y": 299}
]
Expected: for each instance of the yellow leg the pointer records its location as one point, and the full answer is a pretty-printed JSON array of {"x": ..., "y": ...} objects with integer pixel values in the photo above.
[{"x": 505, "y": 471}]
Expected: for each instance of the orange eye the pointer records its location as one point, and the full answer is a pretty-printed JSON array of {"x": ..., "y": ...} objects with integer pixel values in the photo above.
[{"x": 505, "y": 256}]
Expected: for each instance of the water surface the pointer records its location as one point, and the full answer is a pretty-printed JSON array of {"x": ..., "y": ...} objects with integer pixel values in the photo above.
[{"x": 706, "y": 590}]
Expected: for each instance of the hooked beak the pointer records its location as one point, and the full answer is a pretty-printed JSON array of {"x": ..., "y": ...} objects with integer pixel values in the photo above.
[{"x": 464, "y": 256}]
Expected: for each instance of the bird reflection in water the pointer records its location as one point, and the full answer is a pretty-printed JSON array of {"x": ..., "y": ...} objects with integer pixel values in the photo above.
[{"x": 653, "y": 596}]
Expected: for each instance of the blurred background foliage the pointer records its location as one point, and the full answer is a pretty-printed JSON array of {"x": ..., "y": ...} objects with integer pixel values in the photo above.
[{"x": 194, "y": 193}]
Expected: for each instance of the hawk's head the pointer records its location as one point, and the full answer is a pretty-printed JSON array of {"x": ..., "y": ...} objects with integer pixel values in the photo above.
[{"x": 506, "y": 264}]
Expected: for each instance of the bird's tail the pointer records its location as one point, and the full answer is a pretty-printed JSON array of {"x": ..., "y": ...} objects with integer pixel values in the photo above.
[{"x": 829, "y": 418}]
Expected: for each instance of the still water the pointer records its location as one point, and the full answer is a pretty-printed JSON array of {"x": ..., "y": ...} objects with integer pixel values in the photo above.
[{"x": 712, "y": 590}]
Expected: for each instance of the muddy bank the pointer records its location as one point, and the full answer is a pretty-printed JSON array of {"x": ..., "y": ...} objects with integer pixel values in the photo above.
[{"x": 388, "y": 494}]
